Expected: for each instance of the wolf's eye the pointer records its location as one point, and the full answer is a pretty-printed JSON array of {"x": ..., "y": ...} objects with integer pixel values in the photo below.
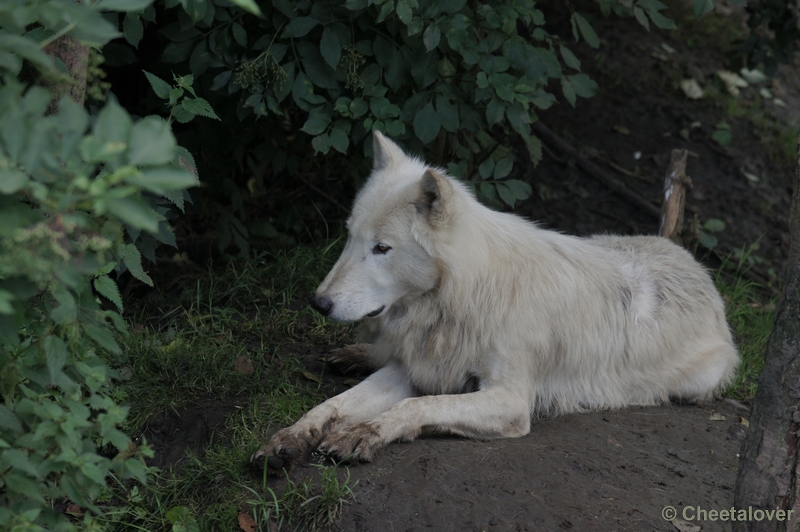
[{"x": 380, "y": 249}]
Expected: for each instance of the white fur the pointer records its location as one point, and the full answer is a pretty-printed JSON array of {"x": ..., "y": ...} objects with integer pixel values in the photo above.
[{"x": 542, "y": 322}]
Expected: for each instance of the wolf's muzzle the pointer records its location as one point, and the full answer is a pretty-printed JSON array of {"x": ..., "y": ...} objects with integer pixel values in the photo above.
[{"x": 322, "y": 304}]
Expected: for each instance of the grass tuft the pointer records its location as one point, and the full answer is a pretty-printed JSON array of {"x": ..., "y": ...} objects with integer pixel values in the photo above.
[{"x": 751, "y": 320}]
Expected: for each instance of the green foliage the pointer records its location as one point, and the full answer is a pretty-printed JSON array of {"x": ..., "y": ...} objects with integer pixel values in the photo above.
[
  {"x": 460, "y": 82},
  {"x": 71, "y": 186},
  {"x": 435, "y": 75},
  {"x": 750, "y": 318},
  {"x": 774, "y": 33},
  {"x": 705, "y": 238},
  {"x": 182, "y": 108}
]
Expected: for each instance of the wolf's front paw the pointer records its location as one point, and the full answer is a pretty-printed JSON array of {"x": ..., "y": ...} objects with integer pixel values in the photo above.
[
  {"x": 351, "y": 359},
  {"x": 285, "y": 449},
  {"x": 357, "y": 443}
]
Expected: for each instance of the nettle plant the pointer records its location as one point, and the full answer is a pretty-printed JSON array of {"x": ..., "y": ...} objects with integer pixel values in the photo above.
[
  {"x": 80, "y": 197},
  {"x": 451, "y": 78}
]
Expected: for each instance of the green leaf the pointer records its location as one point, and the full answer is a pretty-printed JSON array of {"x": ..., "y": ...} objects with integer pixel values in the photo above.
[
  {"x": 133, "y": 260},
  {"x": 403, "y": 11},
  {"x": 12, "y": 180},
  {"x": 495, "y": 111},
  {"x": 8, "y": 420},
  {"x": 66, "y": 309},
  {"x": 26, "y": 48},
  {"x": 163, "y": 179},
  {"x": 506, "y": 194},
  {"x": 661, "y": 21},
  {"x": 316, "y": 125},
  {"x": 714, "y": 225},
  {"x": 550, "y": 61},
  {"x": 221, "y": 80},
  {"x": 299, "y": 27},
  {"x": 638, "y": 12},
  {"x": 569, "y": 58},
  {"x": 534, "y": 146},
  {"x": 339, "y": 140},
  {"x": 56, "y": 354},
  {"x": 503, "y": 168},
  {"x": 6, "y": 297},
  {"x": 584, "y": 86},
  {"x": 707, "y": 240},
  {"x": 488, "y": 190},
  {"x": 23, "y": 485},
  {"x": 239, "y": 34},
  {"x": 427, "y": 124},
  {"x": 103, "y": 337},
  {"x": 113, "y": 124},
  {"x": 701, "y": 7},
  {"x": 448, "y": 113},
  {"x": 18, "y": 459},
  {"x": 520, "y": 189},
  {"x": 108, "y": 288},
  {"x": 431, "y": 37},
  {"x": 586, "y": 30},
  {"x": 321, "y": 143},
  {"x": 486, "y": 168},
  {"x": 723, "y": 137},
  {"x": 395, "y": 128},
  {"x": 451, "y": 6},
  {"x": 248, "y": 5},
  {"x": 152, "y": 143},
  {"x": 132, "y": 29},
  {"x": 358, "y": 107},
  {"x": 122, "y": 5},
  {"x": 199, "y": 107},
  {"x": 90, "y": 27},
  {"x": 160, "y": 87},
  {"x": 330, "y": 47},
  {"x": 177, "y": 52},
  {"x": 135, "y": 212}
]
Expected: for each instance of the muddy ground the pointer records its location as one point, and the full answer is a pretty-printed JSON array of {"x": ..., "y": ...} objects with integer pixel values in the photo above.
[{"x": 608, "y": 470}]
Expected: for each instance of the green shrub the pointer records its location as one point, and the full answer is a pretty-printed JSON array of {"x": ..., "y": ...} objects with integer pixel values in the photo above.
[
  {"x": 80, "y": 197},
  {"x": 460, "y": 82}
]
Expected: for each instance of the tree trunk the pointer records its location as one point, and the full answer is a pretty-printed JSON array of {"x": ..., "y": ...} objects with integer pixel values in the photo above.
[
  {"x": 768, "y": 463},
  {"x": 75, "y": 56}
]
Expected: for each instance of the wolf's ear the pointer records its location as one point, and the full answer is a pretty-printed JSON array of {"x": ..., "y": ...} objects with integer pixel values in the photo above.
[
  {"x": 437, "y": 195},
  {"x": 385, "y": 151}
]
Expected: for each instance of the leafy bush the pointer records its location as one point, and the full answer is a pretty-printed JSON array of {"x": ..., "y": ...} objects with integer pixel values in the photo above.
[
  {"x": 78, "y": 194},
  {"x": 458, "y": 81}
]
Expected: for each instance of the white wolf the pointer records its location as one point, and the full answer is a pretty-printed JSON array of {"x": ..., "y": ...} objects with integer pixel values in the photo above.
[{"x": 480, "y": 319}]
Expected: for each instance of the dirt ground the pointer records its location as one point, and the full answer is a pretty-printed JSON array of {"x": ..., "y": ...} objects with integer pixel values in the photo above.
[{"x": 601, "y": 471}]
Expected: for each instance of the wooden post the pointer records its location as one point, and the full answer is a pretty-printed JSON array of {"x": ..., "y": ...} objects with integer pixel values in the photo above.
[{"x": 675, "y": 184}]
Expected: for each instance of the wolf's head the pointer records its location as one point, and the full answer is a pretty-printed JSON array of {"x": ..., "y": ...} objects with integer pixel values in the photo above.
[{"x": 400, "y": 215}]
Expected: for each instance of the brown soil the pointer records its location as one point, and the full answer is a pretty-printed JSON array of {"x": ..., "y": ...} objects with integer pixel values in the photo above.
[
  {"x": 607, "y": 470},
  {"x": 601, "y": 471}
]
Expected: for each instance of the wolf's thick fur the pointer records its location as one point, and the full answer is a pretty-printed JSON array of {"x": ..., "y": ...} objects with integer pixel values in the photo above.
[{"x": 479, "y": 319}]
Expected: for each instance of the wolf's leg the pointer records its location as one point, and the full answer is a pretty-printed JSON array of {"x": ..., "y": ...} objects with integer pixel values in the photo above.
[
  {"x": 377, "y": 393},
  {"x": 352, "y": 359},
  {"x": 493, "y": 412}
]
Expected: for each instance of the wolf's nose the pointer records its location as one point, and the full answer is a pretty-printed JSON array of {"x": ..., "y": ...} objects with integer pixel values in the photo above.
[{"x": 322, "y": 304}]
